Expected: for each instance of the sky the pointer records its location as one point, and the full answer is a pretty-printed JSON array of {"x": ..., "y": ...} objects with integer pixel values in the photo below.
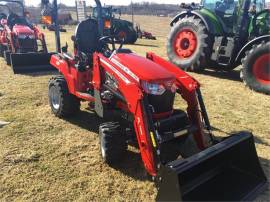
[{"x": 111, "y": 2}]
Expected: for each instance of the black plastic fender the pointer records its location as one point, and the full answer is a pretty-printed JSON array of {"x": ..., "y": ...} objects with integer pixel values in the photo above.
[
  {"x": 249, "y": 45},
  {"x": 209, "y": 26}
]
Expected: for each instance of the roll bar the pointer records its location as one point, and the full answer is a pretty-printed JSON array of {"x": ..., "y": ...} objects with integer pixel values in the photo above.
[{"x": 99, "y": 17}]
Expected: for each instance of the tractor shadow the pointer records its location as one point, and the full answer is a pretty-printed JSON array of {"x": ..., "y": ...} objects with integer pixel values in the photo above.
[
  {"x": 38, "y": 74},
  {"x": 266, "y": 167},
  {"x": 265, "y": 164},
  {"x": 233, "y": 75},
  {"x": 86, "y": 120},
  {"x": 131, "y": 164},
  {"x": 257, "y": 139}
]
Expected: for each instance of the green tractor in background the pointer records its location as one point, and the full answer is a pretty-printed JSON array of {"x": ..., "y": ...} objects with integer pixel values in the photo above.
[
  {"x": 122, "y": 29},
  {"x": 223, "y": 34}
]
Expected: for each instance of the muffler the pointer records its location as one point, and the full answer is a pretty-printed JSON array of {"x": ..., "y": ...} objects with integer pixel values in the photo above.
[
  {"x": 23, "y": 63},
  {"x": 227, "y": 171}
]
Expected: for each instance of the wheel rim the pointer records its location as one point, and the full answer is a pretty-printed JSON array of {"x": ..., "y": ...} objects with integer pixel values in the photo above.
[
  {"x": 185, "y": 43},
  {"x": 55, "y": 98},
  {"x": 122, "y": 35},
  {"x": 261, "y": 69}
]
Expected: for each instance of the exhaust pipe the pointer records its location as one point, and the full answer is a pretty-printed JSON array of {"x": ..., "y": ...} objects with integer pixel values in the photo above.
[
  {"x": 23, "y": 63},
  {"x": 227, "y": 171}
]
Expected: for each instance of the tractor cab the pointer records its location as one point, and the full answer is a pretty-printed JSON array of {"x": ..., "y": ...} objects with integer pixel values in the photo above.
[
  {"x": 225, "y": 11},
  {"x": 114, "y": 25},
  {"x": 107, "y": 16},
  {"x": 228, "y": 12},
  {"x": 106, "y": 12}
]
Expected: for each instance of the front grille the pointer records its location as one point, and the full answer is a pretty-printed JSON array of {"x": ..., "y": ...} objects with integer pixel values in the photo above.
[{"x": 162, "y": 103}]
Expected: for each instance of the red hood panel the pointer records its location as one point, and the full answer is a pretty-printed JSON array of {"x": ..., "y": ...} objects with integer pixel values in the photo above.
[
  {"x": 143, "y": 68},
  {"x": 21, "y": 29}
]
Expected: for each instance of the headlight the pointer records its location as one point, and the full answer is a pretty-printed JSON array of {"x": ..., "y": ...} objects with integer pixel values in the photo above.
[{"x": 153, "y": 88}]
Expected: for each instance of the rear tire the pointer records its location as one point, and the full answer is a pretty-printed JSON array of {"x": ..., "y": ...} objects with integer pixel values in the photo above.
[
  {"x": 187, "y": 45},
  {"x": 113, "y": 143},
  {"x": 133, "y": 37},
  {"x": 63, "y": 104},
  {"x": 256, "y": 68},
  {"x": 126, "y": 35}
]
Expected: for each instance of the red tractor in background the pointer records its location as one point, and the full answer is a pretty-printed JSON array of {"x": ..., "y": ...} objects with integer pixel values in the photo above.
[
  {"x": 144, "y": 34},
  {"x": 22, "y": 44},
  {"x": 135, "y": 97}
]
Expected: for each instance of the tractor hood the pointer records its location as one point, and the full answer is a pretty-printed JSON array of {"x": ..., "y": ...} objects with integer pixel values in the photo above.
[
  {"x": 140, "y": 68},
  {"x": 23, "y": 30}
]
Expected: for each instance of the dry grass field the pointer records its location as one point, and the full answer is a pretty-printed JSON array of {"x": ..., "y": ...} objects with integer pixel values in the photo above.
[{"x": 46, "y": 158}]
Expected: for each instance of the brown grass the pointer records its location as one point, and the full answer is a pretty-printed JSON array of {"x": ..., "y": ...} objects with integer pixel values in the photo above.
[{"x": 46, "y": 158}]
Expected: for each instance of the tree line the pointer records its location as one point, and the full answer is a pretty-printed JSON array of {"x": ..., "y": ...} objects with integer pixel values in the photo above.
[{"x": 143, "y": 8}]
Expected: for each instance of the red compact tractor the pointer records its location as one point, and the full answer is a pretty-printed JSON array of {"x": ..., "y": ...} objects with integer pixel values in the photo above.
[
  {"x": 143, "y": 34},
  {"x": 135, "y": 97},
  {"x": 22, "y": 44}
]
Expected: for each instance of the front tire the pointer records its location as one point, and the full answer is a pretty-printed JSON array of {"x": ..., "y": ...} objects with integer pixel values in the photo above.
[
  {"x": 63, "y": 104},
  {"x": 113, "y": 144},
  {"x": 256, "y": 68},
  {"x": 7, "y": 57},
  {"x": 187, "y": 45}
]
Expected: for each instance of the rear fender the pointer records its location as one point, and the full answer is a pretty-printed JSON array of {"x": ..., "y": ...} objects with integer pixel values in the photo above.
[
  {"x": 189, "y": 13},
  {"x": 77, "y": 81},
  {"x": 249, "y": 45}
]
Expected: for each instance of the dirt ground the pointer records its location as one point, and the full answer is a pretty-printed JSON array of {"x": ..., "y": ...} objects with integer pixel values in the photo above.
[{"x": 46, "y": 158}]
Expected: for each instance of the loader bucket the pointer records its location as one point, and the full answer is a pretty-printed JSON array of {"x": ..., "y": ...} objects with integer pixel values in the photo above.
[
  {"x": 23, "y": 63},
  {"x": 227, "y": 171}
]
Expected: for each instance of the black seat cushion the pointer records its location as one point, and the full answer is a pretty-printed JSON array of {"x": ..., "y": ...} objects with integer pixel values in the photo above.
[{"x": 87, "y": 36}]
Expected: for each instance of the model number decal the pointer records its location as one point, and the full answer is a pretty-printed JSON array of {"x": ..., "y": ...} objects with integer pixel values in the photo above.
[
  {"x": 115, "y": 71},
  {"x": 125, "y": 69}
]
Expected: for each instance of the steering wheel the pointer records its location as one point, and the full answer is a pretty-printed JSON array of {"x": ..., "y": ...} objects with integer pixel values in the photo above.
[
  {"x": 105, "y": 40},
  {"x": 12, "y": 18}
]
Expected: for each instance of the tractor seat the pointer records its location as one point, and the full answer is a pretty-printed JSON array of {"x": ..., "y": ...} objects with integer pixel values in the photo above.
[{"x": 86, "y": 37}]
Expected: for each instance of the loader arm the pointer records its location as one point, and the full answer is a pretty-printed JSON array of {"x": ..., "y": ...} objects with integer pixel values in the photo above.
[
  {"x": 41, "y": 36},
  {"x": 134, "y": 100},
  {"x": 187, "y": 88}
]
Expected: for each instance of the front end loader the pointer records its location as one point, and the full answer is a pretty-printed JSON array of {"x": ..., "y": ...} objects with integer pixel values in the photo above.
[
  {"x": 135, "y": 97},
  {"x": 22, "y": 44},
  {"x": 223, "y": 35}
]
